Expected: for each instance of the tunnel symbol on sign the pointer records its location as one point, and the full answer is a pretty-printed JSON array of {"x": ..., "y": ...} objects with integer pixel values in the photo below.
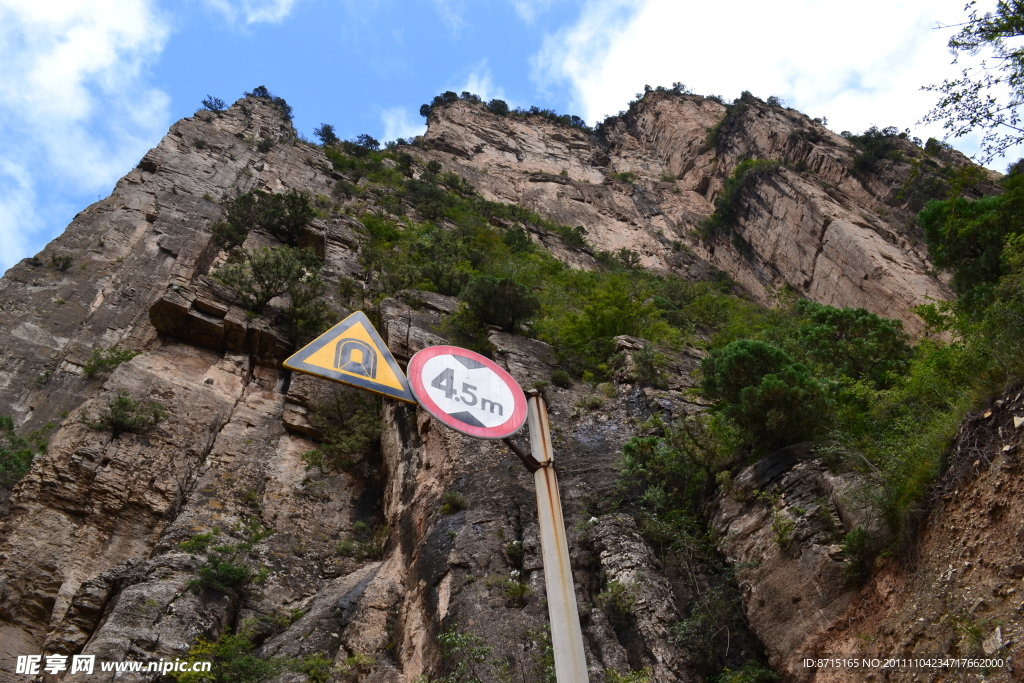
[{"x": 356, "y": 357}]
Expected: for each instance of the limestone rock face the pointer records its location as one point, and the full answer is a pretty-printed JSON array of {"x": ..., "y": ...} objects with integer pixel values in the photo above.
[
  {"x": 813, "y": 225},
  {"x": 782, "y": 521}
]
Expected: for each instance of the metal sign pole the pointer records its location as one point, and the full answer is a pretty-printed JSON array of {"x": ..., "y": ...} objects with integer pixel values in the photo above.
[{"x": 566, "y": 635}]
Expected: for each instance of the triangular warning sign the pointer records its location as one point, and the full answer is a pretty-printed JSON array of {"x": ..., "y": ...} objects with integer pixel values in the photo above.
[{"x": 353, "y": 353}]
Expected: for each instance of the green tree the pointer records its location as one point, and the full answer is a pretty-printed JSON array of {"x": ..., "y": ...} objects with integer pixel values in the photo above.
[
  {"x": 325, "y": 132},
  {"x": 967, "y": 237},
  {"x": 105, "y": 360},
  {"x": 263, "y": 274},
  {"x": 282, "y": 215},
  {"x": 990, "y": 97},
  {"x": 124, "y": 414},
  {"x": 1003, "y": 323},
  {"x": 499, "y": 107},
  {"x": 16, "y": 452},
  {"x": 443, "y": 257},
  {"x": 233, "y": 658},
  {"x": 727, "y": 203},
  {"x": 500, "y": 301},
  {"x": 214, "y": 103},
  {"x": 350, "y": 425},
  {"x": 854, "y": 343},
  {"x": 771, "y": 399},
  {"x": 308, "y": 314},
  {"x": 468, "y": 659}
]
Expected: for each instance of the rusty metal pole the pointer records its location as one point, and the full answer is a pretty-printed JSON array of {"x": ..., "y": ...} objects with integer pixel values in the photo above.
[{"x": 566, "y": 635}]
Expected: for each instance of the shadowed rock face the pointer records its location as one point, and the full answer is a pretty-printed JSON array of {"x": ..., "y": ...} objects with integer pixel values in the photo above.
[{"x": 91, "y": 559}]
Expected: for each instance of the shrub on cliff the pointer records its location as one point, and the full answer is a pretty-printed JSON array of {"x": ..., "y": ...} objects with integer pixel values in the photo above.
[
  {"x": 104, "y": 360},
  {"x": 727, "y": 203},
  {"x": 325, "y": 132},
  {"x": 308, "y": 315},
  {"x": 967, "y": 237},
  {"x": 500, "y": 301},
  {"x": 499, "y": 107},
  {"x": 773, "y": 400},
  {"x": 125, "y": 414},
  {"x": 875, "y": 145},
  {"x": 262, "y": 274},
  {"x": 350, "y": 425},
  {"x": 430, "y": 200},
  {"x": 60, "y": 262},
  {"x": 212, "y": 103},
  {"x": 851, "y": 342},
  {"x": 282, "y": 215},
  {"x": 279, "y": 102},
  {"x": 16, "y": 452}
]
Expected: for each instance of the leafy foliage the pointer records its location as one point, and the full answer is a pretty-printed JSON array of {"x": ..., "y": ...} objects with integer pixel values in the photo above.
[
  {"x": 988, "y": 98},
  {"x": 262, "y": 274},
  {"x": 452, "y": 502},
  {"x": 500, "y": 107},
  {"x": 212, "y": 103},
  {"x": 670, "y": 478},
  {"x": 857, "y": 549},
  {"x": 467, "y": 658},
  {"x": 279, "y": 102},
  {"x": 642, "y": 676},
  {"x": 226, "y": 568},
  {"x": 350, "y": 426},
  {"x": 773, "y": 400},
  {"x": 967, "y": 237},
  {"x": 60, "y": 262},
  {"x": 853, "y": 343},
  {"x": 875, "y": 145},
  {"x": 609, "y": 305},
  {"x": 124, "y": 414},
  {"x": 728, "y": 202},
  {"x": 650, "y": 367},
  {"x": 325, "y": 133},
  {"x": 364, "y": 543},
  {"x": 500, "y": 301},
  {"x": 617, "y": 600},
  {"x": 104, "y": 360},
  {"x": 233, "y": 658},
  {"x": 752, "y": 671},
  {"x": 17, "y": 452},
  {"x": 282, "y": 215}
]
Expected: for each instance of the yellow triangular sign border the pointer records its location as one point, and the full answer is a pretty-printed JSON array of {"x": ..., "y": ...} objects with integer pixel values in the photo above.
[{"x": 299, "y": 361}]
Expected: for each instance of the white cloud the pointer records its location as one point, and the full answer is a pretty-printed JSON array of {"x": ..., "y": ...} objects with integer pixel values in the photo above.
[
  {"x": 253, "y": 11},
  {"x": 529, "y": 9},
  {"x": 481, "y": 82},
  {"x": 75, "y": 112},
  {"x": 452, "y": 13},
  {"x": 400, "y": 123},
  {"x": 859, "y": 66},
  {"x": 17, "y": 218}
]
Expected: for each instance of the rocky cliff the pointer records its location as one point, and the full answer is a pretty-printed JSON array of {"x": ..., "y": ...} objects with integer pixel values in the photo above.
[{"x": 107, "y": 545}]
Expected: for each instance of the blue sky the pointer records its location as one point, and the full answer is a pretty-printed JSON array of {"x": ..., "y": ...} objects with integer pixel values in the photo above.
[{"x": 87, "y": 86}]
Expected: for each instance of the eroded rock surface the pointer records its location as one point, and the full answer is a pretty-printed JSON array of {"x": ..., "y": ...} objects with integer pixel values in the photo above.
[
  {"x": 102, "y": 544},
  {"x": 837, "y": 238}
]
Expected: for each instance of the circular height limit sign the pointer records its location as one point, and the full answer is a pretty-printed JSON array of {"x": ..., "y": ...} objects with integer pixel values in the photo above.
[{"x": 468, "y": 392}]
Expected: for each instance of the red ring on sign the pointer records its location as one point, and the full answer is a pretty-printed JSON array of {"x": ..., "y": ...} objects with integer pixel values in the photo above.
[{"x": 510, "y": 426}]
